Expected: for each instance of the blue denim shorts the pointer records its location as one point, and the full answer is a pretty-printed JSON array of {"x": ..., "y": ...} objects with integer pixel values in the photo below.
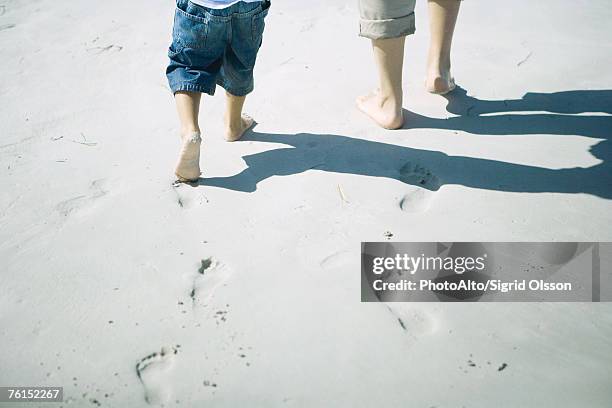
[{"x": 215, "y": 46}]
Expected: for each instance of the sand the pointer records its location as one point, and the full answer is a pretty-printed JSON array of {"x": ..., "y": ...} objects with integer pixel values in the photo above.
[{"x": 244, "y": 291}]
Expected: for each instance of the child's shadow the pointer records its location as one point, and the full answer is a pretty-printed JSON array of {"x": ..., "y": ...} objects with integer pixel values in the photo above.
[{"x": 432, "y": 169}]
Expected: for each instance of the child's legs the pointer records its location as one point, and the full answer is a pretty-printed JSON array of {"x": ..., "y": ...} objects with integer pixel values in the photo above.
[
  {"x": 233, "y": 110},
  {"x": 442, "y": 20},
  {"x": 188, "y": 107},
  {"x": 235, "y": 122},
  {"x": 236, "y": 74}
]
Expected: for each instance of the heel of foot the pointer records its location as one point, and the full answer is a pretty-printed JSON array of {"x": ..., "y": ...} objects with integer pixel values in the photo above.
[
  {"x": 181, "y": 179},
  {"x": 383, "y": 112},
  {"x": 395, "y": 123},
  {"x": 440, "y": 86},
  {"x": 234, "y": 133},
  {"x": 188, "y": 166}
]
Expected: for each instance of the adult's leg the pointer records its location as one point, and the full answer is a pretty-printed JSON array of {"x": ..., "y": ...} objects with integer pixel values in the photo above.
[
  {"x": 384, "y": 105},
  {"x": 386, "y": 23},
  {"x": 188, "y": 107},
  {"x": 442, "y": 20},
  {"x": 235, "y": 122}
]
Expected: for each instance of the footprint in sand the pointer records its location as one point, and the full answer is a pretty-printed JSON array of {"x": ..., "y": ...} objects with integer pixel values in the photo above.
[
  {"x": 186, "y": 197},
  {"x": 307, "y": 26},
  {"x": 211, "y": 274},
  {"x": 417, "y": 321},
  {"x": 419, "y": 197},
  {"x": 97, "y": 189},
  {"x": 153, "y": 372},
  {"x": 336, "y": 260},
  {"x": 182, "y": 198}
]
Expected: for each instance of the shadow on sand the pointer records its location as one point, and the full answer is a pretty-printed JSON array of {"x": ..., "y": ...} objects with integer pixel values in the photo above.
[{"x": 432, "y": 169}]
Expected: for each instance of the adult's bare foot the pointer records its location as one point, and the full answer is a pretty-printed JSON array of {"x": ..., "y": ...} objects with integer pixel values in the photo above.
[
  {"x": 382, "y": 110},
  {"x": 440, "y": 83}
]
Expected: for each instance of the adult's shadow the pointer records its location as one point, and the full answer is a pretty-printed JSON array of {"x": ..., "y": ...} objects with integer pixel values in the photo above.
[
  {"x": 560, "y": 119},
  {"x": 565, "y": 102},
  {"x": 424, "y": 168}
]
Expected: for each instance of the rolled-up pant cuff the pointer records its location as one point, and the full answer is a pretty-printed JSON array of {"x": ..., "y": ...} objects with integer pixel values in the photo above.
[{"x": 387, "y": 28}]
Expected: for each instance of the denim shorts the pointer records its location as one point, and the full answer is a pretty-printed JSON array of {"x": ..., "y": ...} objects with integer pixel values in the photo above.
[{"x": 215, "y": 46}]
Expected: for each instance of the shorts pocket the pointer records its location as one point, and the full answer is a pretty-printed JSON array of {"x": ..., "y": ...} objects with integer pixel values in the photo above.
[
  {"x": 174, "y": 50},
  {"x": 189, "y": 30},
  {"x": 258, "y": 22}
]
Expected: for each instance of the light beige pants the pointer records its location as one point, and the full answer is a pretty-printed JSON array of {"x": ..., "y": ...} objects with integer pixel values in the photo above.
[{"x": 386, "y": 18}]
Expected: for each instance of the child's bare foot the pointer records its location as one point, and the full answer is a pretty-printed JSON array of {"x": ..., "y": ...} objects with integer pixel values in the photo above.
[
  {"x": 384, "y": 111},
  {"x": 234, "y": 131},
  {"x": 188, "y": 166},
  {"x": 440, "y": 83}
]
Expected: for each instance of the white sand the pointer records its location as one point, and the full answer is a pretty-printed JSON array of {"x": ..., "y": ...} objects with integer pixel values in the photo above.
[{"x": 99, "y": 254}]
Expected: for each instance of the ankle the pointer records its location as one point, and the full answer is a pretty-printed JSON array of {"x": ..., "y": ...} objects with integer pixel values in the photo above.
[
  {"x": 234, "y": 125},
  {"x": 392, "y": 100},
  {"x": 191, "y": 135},
  {"x": 439, "y": 68},
  {"x": 189, "y": 130}
]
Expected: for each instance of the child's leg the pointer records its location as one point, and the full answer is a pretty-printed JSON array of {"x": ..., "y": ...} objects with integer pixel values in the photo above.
[
  {"x": 188, "y": 106},
  {"x": 385, "y": 105},
  {"x": 442, "y": 19},
  {"x": 235, "y": 122}
]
